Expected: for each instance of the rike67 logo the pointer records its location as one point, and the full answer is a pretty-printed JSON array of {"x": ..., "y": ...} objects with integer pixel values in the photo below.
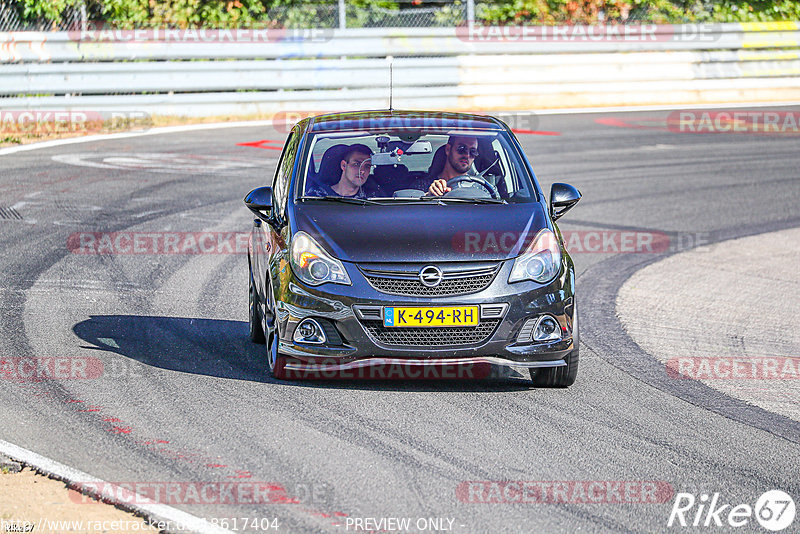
[{"x": 774, "y": 510}]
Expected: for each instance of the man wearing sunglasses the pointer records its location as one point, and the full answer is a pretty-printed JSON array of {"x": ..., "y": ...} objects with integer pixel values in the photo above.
[{"x": 460, "y": 153}]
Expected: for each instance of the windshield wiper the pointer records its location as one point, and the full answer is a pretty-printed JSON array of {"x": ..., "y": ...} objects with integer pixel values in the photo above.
[
  {"x": 466, "y": 200},
  {"x": 346, "y": 200}
]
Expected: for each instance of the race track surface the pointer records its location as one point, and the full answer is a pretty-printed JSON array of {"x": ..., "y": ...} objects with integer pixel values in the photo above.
[{"x": 183, "y": 395}]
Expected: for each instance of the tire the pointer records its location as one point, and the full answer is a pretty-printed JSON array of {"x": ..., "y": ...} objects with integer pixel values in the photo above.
[
  {"x": 255, "y": 320},
  {"x": 276, "y": 364},
  {"x": 560, "y": 377}
]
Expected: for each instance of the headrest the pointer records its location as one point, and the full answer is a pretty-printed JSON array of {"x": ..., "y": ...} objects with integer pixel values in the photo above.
[
  {"x": 330, "y": 169},
  {"x": 437, "y": 163}
]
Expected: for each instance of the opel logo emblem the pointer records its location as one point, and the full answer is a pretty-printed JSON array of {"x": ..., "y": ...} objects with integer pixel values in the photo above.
[{"x": 430, "y": 276}]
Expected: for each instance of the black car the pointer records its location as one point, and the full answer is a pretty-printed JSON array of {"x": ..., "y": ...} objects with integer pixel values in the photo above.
[{"x": 410, "y": 239}]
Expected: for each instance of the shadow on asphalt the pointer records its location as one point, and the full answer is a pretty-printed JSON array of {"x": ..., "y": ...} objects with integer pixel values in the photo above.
[{"x": 220, "y": 348}]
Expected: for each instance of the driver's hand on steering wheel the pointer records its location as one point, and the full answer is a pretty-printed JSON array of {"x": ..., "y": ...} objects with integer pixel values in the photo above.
[{"x": 439, "y": 187}]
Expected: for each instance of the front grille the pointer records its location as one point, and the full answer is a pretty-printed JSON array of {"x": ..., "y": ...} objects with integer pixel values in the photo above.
[
  {"x": 430, "y": 337},
  {"x": 407, "y": 283}
]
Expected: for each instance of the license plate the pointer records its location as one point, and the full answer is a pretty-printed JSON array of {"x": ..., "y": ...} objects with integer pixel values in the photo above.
[{"x": 394, "y": 316}]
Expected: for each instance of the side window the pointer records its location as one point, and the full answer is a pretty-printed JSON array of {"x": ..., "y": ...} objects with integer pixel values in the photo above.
[
  {"x": 283, "y": 174},
  {"x": 276, "y": 178}
]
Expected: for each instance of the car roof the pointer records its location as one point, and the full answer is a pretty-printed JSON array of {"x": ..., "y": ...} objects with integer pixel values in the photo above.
[{"x": 382, "y": 120}]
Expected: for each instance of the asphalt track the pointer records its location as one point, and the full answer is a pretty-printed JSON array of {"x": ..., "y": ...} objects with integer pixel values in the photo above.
[
  {"x": 752, "y": 327},
  {"x": 184, "y": 398}
]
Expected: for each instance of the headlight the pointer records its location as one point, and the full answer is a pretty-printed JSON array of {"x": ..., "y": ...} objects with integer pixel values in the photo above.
[
  {"x": 313, "y": 265},
  {"x": 540, "y": 262}
]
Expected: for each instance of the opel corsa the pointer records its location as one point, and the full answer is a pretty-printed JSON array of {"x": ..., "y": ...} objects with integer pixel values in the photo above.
[{"x": 415, "y": 239}]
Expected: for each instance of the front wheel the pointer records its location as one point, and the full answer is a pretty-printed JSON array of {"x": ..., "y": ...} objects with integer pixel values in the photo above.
[
  {"x": 560, "y": 377},
  {"x": 275, "y": 362}
]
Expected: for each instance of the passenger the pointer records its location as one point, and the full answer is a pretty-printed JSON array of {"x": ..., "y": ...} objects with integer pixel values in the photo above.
[
  {"x": 460, "y": 153},
  {"x": 355, "y": 167}
]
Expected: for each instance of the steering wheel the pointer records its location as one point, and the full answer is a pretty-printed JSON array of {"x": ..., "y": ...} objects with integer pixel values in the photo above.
[{"x": 492, "y": 190}]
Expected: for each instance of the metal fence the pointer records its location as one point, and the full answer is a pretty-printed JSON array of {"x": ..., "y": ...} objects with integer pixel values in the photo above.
[
  {"x": 317, "y": 14},
  {"x": 12, "y": 20},
  {"x": 434, "y": 68},
  {"x": 321, "y": 14}
]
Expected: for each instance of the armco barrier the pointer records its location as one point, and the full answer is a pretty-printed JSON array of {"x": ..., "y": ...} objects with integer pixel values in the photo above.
[{"x": 434, "y": 68}]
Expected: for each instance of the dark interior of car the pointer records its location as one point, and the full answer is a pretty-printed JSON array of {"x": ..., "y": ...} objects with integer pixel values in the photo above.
[{"x": 388, "y": 180}]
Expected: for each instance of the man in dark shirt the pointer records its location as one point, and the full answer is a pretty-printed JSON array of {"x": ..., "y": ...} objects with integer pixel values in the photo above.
[
  {"x": 460, "y": 153},
  {"x": 355, "y": 167}
]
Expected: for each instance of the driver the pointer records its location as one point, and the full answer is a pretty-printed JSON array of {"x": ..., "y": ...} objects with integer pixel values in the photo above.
[{"x": 460, "y": 153}]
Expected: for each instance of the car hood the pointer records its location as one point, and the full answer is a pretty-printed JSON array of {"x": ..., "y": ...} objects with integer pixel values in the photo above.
[{"x": 419, "y": 233}]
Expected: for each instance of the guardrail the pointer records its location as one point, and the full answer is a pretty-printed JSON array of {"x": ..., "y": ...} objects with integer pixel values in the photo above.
[{"x": 263, "y": 71}]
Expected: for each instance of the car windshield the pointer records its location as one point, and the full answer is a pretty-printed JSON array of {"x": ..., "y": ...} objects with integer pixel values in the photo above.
[{"x": 478, "y": 166}]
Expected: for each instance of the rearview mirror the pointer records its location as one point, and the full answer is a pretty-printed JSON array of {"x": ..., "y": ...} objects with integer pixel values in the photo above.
[
  {"x": 259, "y": 201},
  {"x": 562, "y": 198}
]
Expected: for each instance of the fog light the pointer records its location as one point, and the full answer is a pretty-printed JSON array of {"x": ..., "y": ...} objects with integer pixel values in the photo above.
[
  {"x": 309, "y": 331},
  {"x": 544, "y": 328},
  {"x": 547, "y": 329}
]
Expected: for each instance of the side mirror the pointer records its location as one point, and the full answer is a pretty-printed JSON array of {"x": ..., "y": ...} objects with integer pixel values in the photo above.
[
  {"x": 562, "y": 198},
  {"x": 259, "y": 201}
]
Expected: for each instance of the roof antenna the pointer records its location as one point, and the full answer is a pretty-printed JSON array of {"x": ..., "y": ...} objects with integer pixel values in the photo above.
[{"x": 391, "y": 81}]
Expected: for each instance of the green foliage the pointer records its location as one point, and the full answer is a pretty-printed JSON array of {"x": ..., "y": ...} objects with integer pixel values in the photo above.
[
  {"x": 316, "y": 13},
  {"x": 578, "y": 11},
  {"x": 450, "y": 11},
  {"x": 752, "y": 11},
  {"x": 183, "y": 13},
  {"x": 48, "y": 9},
  {"x": 361, "y": 13}
]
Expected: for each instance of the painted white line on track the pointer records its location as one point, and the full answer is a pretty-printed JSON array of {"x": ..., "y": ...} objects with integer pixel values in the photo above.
[
  {"x": 150, "y": 509},
  {"x": 125, "y": 135},
  {"x": 245, "y": 124}
]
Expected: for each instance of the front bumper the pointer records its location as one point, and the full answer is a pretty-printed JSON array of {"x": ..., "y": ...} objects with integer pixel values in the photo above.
[
  {"x": 360, "y": 347},
  {"x": 404, "y": 369}
]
